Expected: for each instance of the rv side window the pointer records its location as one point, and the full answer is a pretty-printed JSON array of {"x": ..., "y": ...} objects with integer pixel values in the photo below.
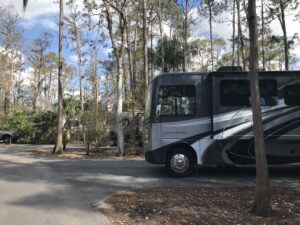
[
  {"x": 292, "y": 94},
  {"x": 176, "y": 101},
  {"x": 237, "y": 92},
  {"x": 234, "y": 92}
]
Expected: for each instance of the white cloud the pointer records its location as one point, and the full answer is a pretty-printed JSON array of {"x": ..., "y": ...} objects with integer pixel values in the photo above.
[
  {"x": 225, "y": 29},
  {"x": 166, "y": 29},
  {"x": 49, "y": 24},
  {"x": 108, "y": 51},
  {"x": 38, "y": 12},
  {"x": 26, "y": 76},
  {"x": 35, "y": 8},
  {"x": 46, "y": 23},
  {"x": 74, "y": 59},
  {"x": 38, "y": 8},
  {"x": 291, "y": 26},
  {"x": 296, "y": 51},
  {"x": 201, "y": 29}
]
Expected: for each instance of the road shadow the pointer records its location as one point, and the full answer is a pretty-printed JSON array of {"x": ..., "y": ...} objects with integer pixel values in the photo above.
[{"x": 95, "y": 180}]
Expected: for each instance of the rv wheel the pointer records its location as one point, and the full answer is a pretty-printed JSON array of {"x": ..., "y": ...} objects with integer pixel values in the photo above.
[{"x": 180, "y": 163}]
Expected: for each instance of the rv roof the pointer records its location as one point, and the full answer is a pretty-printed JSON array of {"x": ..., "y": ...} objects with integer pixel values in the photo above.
[
  {"x": 180, "y": 73},
  {"x": 264, "y": 73},
  {"x": 231, "y": 73}
]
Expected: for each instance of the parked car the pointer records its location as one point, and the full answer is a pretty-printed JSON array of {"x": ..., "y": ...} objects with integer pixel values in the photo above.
[{"x": 8, "y": 136}]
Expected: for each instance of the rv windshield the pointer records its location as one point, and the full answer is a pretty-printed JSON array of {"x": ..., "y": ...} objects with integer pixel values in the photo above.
[{"x": 148, "y": 102}]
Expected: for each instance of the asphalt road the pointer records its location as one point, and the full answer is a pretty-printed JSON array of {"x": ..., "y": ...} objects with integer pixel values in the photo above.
[{"x": 51, "y": 191}]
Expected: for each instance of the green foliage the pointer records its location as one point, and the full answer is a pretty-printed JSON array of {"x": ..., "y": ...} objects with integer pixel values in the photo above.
[
  {"x": 96, "y": 126},
  {"x": 226, "y": 59},
  {"x": 22, "y": 123},
  {"x": 173, "y": 55},
  {"x": 45, "y": 123},
  {"x": 32, "y": 128},
  {"x": 213, "y": 7},
  {"x": 200, "y": 49},
  {"x": 72, "y": 112}
]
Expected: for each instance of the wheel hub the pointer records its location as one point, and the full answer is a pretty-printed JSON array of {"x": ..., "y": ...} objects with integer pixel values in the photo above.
[{"x": 180, "y": 163}]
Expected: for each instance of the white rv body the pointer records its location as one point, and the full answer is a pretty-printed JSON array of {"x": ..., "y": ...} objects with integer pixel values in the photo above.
[{"x": 209, "y": 116}]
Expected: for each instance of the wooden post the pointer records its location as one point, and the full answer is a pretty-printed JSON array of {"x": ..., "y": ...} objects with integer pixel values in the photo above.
[{"x": 87, "y": 148}]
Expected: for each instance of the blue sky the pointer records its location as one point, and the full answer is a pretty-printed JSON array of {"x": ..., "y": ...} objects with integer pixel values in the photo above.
[
  {"x": 42, "y": 15},
  {"x": 32, "y": 32}
]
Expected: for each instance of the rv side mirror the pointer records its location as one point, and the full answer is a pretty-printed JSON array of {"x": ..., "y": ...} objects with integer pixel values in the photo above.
[{"x": 158, "y": 110}]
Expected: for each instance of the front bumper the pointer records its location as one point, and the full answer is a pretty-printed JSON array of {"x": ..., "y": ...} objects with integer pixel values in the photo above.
[{"x": 157, "y": 156}]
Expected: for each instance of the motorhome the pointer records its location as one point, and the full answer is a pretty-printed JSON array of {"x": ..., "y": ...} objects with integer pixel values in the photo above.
[{"x": 194, "y": 119}]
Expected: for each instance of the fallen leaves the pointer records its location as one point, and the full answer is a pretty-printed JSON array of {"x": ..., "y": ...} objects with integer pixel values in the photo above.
[
  {"x": 104, "y": 154},
  {"x": 207, "y": 206}
]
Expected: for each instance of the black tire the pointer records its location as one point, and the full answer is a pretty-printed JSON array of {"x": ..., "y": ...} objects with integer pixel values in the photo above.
[
  {"x": 6, "y": 139},
  {"x": 180, "y": 162}
]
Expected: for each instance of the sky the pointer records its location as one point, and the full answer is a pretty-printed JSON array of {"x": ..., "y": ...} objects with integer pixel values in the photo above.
[
  {"x": 42, "y": 16},
  {"x": 201, "y": 29}
]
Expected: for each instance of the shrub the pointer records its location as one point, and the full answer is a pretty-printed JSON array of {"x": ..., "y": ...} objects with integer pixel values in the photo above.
[
  {"x": 96, "y": 127},
  {"x": 45, "y": 123},
  {"x": 21, "y": 123}
]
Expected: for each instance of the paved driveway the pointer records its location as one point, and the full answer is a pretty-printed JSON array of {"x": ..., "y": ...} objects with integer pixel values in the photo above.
[{"x": 45, "y": 191}]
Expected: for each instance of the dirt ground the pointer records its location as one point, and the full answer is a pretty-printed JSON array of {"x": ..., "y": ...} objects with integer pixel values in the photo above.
[
  {"x": 197, "y": 206},
  {"x": 77, "y": 153}
]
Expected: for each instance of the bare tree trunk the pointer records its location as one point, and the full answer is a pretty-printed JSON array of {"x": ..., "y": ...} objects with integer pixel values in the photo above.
[
  {"x": 131, "y": 68},
  {"x": 238, "y": 50},
  {"x": 211, "y": 36},
  {"x": 134, "y": 65},
  {"x": 233, "y": 35},
  {"x": 185, "y": 34},
  {"x": 261, "y": 205},
  {"x": 151, "y": 47},
  {"x": 96, "y": 96},
  {"x": 240, "y": 31},
  {"x": 49, "y": 93},
  {"x": 75, "y": 34},
  {"x": 286, "y": 47},
  {"x": 81, "y": 91},
  {"x": 125, "y": 76},
  {"x": 119, "y": 54},
  {"x": 11, "y": 102},
  {"x": 79, "y": 69},
  {"x": 39, "y": 82},
  {"x": 35, "y": 92},
  {"x": 161, "y": 37},
  {"x": 59, "y": 135},
  {"x": 19, "y": 89},
  {"x": 95, "y": 82},
  {"x": 121, "y": 69},
  {"x": 145, "y": 37},
  {"x": 263, "y": 35},
  {"x": 37, "y": 89},
  {"x": 129, "y": 54},
  {"x": 120, "y": 135},
  {"x": 131, "y": 71}
]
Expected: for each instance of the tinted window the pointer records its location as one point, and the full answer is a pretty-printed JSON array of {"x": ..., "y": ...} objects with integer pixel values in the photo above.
[
  {"x": 292, "y": 94},
  {"x": 237, "y": 92},
  {"x": 176, "y": 101}
]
